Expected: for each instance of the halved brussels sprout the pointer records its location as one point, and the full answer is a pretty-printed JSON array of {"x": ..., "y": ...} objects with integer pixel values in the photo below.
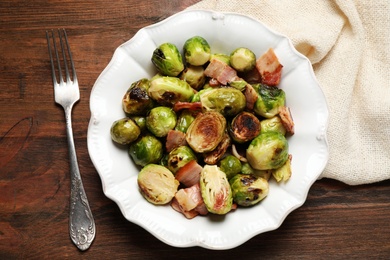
[
  {"x": 194, "y": 76},
  {"x": 196, "y": 51},
  {"x": 273, "y": 124},
  {"x": 160, "y": 120},
  {"x": 283, "y": 173},
  {"x": 168, "y": 60},
  {"x": 157, "y": 184},
  {"x": 124, "y": 131},
  {"x": 206, "y": 131},
  {"x": 242, "y": 59},
  {"x": 268, "y": 150},
  {"x": 248, "y": 190},
  {"x": 228, "y": 101},
  {"x": 230, "y": 165},
  {"x": 136, "y": 100},
  {"x": 147, "y": 149},
  {"x": 244, "y": 127},
  {"x": 215, "y": 190},
  {"x": 270, "y": 100},
  {"x": 184, "y": 120},
  {"x": 169, "y": 90},
  {"x": 179, "y": 157}
]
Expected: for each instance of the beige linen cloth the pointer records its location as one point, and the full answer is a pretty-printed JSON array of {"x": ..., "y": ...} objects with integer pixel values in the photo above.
[{"x": 348, "y": 43}]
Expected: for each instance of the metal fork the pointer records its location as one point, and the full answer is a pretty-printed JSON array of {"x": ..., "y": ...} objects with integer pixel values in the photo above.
[{"x": 66, "y": 92}]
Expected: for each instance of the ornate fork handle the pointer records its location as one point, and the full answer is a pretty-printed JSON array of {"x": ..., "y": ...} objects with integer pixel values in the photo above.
[{"x": 81, "y": 223}]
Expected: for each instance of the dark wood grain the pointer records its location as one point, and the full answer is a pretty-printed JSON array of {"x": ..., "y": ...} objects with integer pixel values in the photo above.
[{"x": 337, "y": 221}]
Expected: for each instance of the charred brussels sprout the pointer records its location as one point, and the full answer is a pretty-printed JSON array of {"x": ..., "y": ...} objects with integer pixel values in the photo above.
[
  {"x": 147, "y": 149},
  {"x": 179, "y": 157},
  {"x": 242, "y": 59},
  {"x": 206, "y": 131},
  {"x": 230, "y": 165},
  {"x": 194, "y": 76},
  {"x": 124, "y": 131},
  {"x": 227, "y": 101},
  {"x": 136, "y": 100},
  {"x": 273, "y": 124},
  {"x": 185, "y": 119},
  {"x": 196, "y": 51},
  {"x": 168, "y": 60},
  {"x": 248, "y": 190},
  {"x": 160, "y": 120},
  {"x": 215, "y": 190},
  {"x": 157, "y": 184},
  {"x": 267, "y": 151},
  {"x": 270, "y": 100},
  {"x": 169, "y": 90},
  {"x": 244, "y": 127}
]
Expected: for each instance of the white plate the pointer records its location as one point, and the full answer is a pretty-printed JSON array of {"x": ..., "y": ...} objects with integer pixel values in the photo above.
[{"x": 224, "y": 32}]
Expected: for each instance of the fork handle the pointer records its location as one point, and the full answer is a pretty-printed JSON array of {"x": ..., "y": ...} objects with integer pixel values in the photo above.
[{"x": 81, "y": 223}]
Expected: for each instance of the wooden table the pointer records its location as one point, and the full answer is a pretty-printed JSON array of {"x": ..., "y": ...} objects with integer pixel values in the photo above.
[{"x": 336, "y": 222}]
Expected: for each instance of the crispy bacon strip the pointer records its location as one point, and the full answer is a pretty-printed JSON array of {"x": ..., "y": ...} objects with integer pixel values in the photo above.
[
  {"x": 269, "y": 68},
  {"x": 220, "y": 71},
  {"x": 175, "y": 138},
  {"x": 189, "y": 174},
  {"x": 186, "y": 105},
  {"x": 287, "y": 120}
]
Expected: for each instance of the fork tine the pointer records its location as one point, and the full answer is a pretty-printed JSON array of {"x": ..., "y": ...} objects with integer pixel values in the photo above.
[
  {"x": 53, "y": 72},
  {"x": 64, "y": 52},
  {"x": 74, "y": 75}
]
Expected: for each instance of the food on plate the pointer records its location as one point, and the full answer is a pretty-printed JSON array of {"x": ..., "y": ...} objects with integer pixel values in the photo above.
[
  {"x": 124, "y": 131},
  {"x": 157, "y": 184},
  {"x": 136, "y": 101},
  {"x": 209, "y": 131},
  {"x": 248, "y": 189},
  {"x": 242, "y": 59},
  {"x": 168, "y": 60}
]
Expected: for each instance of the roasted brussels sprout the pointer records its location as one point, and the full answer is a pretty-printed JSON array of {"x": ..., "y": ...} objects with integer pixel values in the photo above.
[
  {"x": 196, "y": 96},
  {"x": 215, "y": 190},
  {"x": 136, "y": 100},
  {"x": 242, "y": 59},
  {"x": 247, "y": 169},
  {"x": 157, "y": 184},
  {"x": 239, "y": 84},
  {"x": 227, "y": 101},
  {"x": 268, "y": 150},
  {"x": 140, "y": 121},
  {"x": 206, "y": 131},
  {"x": 194, "y": 76},
  {"x": 222, "y": 57},
  {"x": 273, "y": 124},
  {"x": 169, "y": 90},
  {"x": 230, "y": 165},
  {"x": 124, "y": 131},
  {"x": 168, "y": 60},
  {"x": 244, "y": 127},
  {"x": 196, "y": 51},
  {"x": 160, "y": 120},
  {"x": 270, "y": 100},
  {"x": 147, "y": 149},
  {"x": 184, "y": 120},
  {"x": 248, "y": 190},
  {"x": 179, "y": 157},
  {"x": 283, "y": 173}
]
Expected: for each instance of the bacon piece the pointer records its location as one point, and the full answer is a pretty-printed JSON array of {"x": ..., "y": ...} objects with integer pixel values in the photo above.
[
  {"x": 287, "y": 120},
  {"x": 253, "y": 76},
  {"x": 189, "y": 201},
  {"x": 175, "y": 138},
  {"x": 214, "y": 82},
  {"x": 214, "y": 156},
  {"x": 186, "y": 105},
  {"x": 251, "y": 97},
  {"x": 220, "y": 71},
  {"x": 269, "y": 68},
  {"x": 189, "y": 174}
]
